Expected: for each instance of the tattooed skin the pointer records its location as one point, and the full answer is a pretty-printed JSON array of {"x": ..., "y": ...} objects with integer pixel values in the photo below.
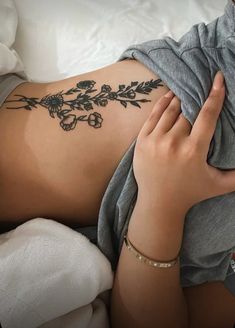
[{"x": 83, "y": 99}]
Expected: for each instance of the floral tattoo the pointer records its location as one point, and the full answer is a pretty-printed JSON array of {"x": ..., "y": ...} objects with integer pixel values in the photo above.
[{"x": 83, "y": 99}]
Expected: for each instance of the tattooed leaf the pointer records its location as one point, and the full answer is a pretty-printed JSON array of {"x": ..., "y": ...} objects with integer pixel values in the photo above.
[
  {"x": 147, "y": 89},
  {"x": 65, "y": 111},
  {"x": 89, "y": 90},
  {"x": 134, "y": 83},
  {"x": 144, "y": 100},
  {"x": 69, "y": 92},
  {"x": 155, "y": 83},
  {"x": 134, "y": 103},
  {"x": 140, "y": 86},
  {"x": 34, "y": 105},
  {"x": 27, "y": 107},
  {"x": 124, "y": 103},
  {"x": 128, "y": 88},
  {"x": 123, "y": 94},
  {"x": 81, "y": 118},
  {"x": 141, "y": 91},
  {"x": 51, "y": 114}
]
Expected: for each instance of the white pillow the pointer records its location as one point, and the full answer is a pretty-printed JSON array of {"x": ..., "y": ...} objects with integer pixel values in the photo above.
[
  {"x": 60, "y": 38},
  {"x": 9, "y": 59}
]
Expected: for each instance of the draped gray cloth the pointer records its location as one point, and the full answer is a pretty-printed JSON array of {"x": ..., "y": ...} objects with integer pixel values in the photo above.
[
  {"x": 188, "y": 68},
  {"x": 8, "y": 83}
]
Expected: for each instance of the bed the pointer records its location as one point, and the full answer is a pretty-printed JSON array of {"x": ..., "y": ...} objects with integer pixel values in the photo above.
[{"x": 41, "y": 286}]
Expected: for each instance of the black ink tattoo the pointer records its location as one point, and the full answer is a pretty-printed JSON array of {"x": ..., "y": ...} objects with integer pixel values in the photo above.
[{"x": 84, "y": 101}]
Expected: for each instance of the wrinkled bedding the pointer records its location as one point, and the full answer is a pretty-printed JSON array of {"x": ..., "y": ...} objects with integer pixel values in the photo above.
[
  {"x": 52, "y": 277},
  {"x": 56, "y": 39}
]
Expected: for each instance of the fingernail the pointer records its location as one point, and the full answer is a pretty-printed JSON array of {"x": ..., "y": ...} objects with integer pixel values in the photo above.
[
  {"x": 169, "y": 94},
  {"x": 218, "y": 81}
]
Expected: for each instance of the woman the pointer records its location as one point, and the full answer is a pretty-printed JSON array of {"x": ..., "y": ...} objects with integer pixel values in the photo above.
[{"x": 65, "y": 161}]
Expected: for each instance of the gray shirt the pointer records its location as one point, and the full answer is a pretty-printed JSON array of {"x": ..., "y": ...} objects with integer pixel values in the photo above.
[{"x": 188, "y": 68}]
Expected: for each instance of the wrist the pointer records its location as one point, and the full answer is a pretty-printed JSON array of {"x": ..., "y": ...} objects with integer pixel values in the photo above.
[
  {"x": 156, "y": 232},
  {"x": 158, "y": 206}
]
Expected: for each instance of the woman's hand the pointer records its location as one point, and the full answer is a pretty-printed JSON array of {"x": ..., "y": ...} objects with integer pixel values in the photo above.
[{"x": 170, "y": 159}]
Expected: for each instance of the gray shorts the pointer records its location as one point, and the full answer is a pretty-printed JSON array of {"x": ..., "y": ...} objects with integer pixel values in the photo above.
[
  {"x": 188, "y": 68},
  {"x": 8, "y": 83}
]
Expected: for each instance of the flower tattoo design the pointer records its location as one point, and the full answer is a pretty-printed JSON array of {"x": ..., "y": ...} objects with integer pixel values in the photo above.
[{"x": 65, "y": 105}]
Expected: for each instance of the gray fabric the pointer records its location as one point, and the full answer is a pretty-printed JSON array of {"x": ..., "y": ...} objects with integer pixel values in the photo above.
[
  {"x": 188, "y": 68},
  {"x": 89, "y": 231},
  {"x": 8, "y": 83},
  {"x": 229, "y": 282}
]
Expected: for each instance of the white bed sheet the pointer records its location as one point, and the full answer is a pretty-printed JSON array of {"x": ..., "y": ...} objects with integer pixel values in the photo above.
[{"x": 58, "y": 38}]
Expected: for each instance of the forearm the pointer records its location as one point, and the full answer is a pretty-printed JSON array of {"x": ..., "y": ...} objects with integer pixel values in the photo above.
[{"x": 144, "y": 296}]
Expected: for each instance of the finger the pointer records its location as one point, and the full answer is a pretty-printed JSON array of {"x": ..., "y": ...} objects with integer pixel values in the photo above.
[
  {"x": 159, "y": 107},
  {"x": 169, "y": 117},
  {"x": 182, "y": 126},
  {"x": 205, "y": 124}
]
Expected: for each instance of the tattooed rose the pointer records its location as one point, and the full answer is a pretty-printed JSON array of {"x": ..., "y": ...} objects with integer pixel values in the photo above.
[
  {"x": 87, "y": 84},
  {"x": 131, "y": 94},
  {"x": 112, "y": 95},
  {"x": 53, "y": 103},
  {"x": 69, "y": 122},
  {"x": 105, "y": 88},
  {"x": 95, "y": 120},
  {"x": 103, "y": 102}
]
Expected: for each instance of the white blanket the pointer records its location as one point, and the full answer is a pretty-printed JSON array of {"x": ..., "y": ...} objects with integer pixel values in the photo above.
[
  {"x": 52, "y": 277},
  {"x": 10, "y": 61},
  {"x": 61, "y": 38}
]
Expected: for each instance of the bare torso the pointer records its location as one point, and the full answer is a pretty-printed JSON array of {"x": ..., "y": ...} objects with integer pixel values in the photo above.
[{"x": 48, "y": 172}]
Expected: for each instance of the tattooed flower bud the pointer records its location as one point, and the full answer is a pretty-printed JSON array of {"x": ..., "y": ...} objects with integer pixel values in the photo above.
[
  {"x": 87, "y": 84},
  {"x": 102, "y": 102},
  {"x": 112, "y": 95},
  {"x": 69, "y": 122},
  {"x": 95, "y": 120},
  {"x": 122, "y": 87},
  {"x": 105, "y": 88},
  {"x": 131, "y": 94}
]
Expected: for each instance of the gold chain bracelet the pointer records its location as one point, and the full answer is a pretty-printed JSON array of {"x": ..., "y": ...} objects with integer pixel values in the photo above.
[{"x": 147, "y": 260}]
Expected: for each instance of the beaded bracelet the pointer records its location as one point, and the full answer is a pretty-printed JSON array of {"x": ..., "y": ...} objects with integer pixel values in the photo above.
[{"x": 147, "y": 260}]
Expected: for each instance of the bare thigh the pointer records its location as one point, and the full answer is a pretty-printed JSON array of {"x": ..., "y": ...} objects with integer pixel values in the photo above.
[{"x": 62, "y": 141}]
